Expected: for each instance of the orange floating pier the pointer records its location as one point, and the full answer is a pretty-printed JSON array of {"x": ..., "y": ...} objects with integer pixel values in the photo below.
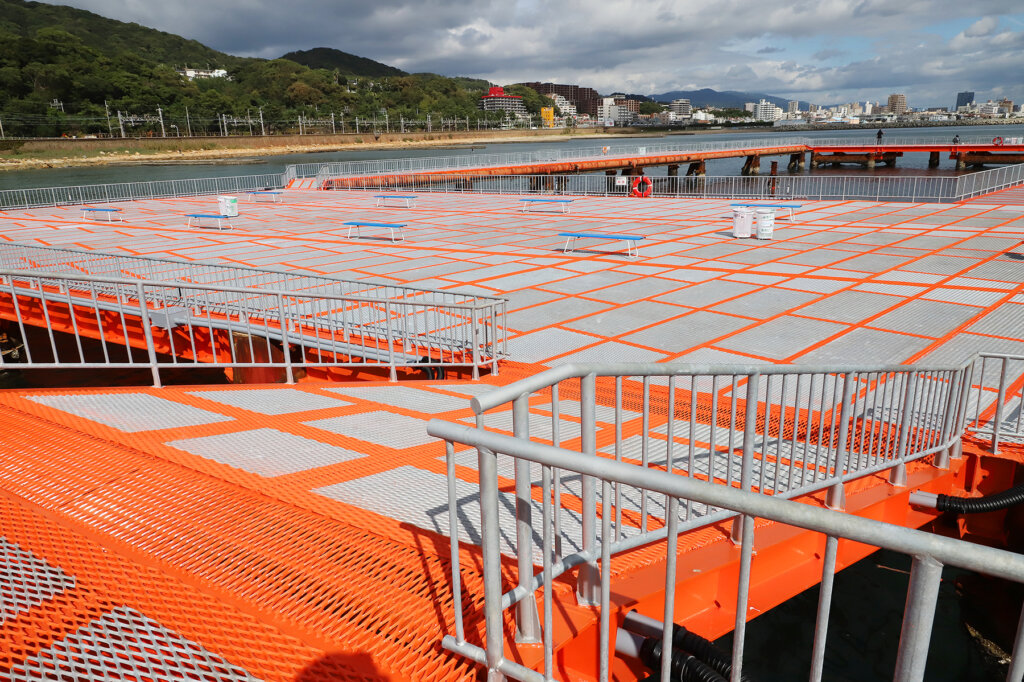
[{"x": 233, "y": 530}]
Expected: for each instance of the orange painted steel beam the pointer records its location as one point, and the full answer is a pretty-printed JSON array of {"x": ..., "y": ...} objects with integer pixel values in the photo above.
[
  {"x": 952, "y": 148},
  {"x": 563, "y": 167}
]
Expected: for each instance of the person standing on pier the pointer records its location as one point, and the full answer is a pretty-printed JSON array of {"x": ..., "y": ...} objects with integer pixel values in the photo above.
[
  {"x": 878, "y": 136},
  {"x": 956, "y": 139}
]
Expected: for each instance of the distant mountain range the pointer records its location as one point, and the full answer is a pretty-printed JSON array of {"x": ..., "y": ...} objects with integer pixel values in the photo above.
[
  {"x": 349, "y": 64},
  {"x": 729, "y": 99}
]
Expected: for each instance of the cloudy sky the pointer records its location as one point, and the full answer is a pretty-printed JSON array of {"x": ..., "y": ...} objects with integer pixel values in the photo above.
[{"x": 824, "y": 51}]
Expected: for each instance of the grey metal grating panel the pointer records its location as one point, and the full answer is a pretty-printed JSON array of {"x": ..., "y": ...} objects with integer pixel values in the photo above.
[
  {"x": 602, "y": 413},
  {"x": 614, "y": 351},
  {"x": 927, "y": 318},
  {"x": 420, "y": 498},
  {"x": 865, "y": 346},
  {"x": 405, "y": 396},
  {"x": 537, "y": 347},
  {"x": 765, "y": 303},
  {"x": 781, "y": 337},
  {"x": 27, "y": 581},
  {"x": 625, "y": 318},
  {"x": 380, "y": 427},
  {"x": 126, "y": 645},
  {"x": 468, "y": 389},
  {"x": 271, "y": 401},
  {"x": 707, "y": 293},
  {"x": 964, "y": 296},
  {"x": 1006, "y": 320},
  {"x": 131, "y": 412},
  {"x": 850, "y": 306},
  {"x": 686, "y": 332},
  {"x": 266, "y": 452},
  {"x": 540, "y": 425}
]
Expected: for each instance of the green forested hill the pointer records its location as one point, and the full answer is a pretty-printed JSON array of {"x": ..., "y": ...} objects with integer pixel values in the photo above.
[
  {"x": 65, "y": 71},
  {"x": 343, "y": 62},
  {"x": 107, "y": 36}
]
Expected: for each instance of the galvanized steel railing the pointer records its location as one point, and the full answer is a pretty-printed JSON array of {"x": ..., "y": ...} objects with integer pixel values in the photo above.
[
  {"x": 454, "y": 163},
  {"x": 163, "y": 324},
  {"x": 16, "y": 256},
  {"x": 994, "y": 407},
  {"x": 782, "y": 187},
  {"x": 985, "y": 182},
  {"x": 720, "y": 441},
  {"x": 133, "y": 191}
]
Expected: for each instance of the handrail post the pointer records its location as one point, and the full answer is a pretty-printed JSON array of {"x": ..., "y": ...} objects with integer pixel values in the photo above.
[
  {"x": 285, "y": 345},
  {"x": 747, "y": 466},
  {"x": 997, "y": 419},
  {"x": 150, "y": 344},
  {"x": 922, "y": 595},
  {"x": 494, "y": 634},
  {"x": 527, "y": 619},
  {"x": 588, "y": 581},
  {"x": 836, "y": 497}
]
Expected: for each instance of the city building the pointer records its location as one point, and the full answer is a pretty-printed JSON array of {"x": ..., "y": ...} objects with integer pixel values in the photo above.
[
  {"x": 964, "y": 99},
  {"x": 766, "y": 111},
  {"x": 607, "y": 112},
  {"x": 989, "y": 108},
  {"x": 497, "y": 100},
  {"x": 793, "y": 108},
  {"x": 749, "y": 106},
  {"x": 1006, "y": 105},
  {"x": 586, "y": 100},
  {"x": 681, "y": 108},
  {"x": 897, "y": 104},
  {"x": 567, "y": 108},
  {"x": 192, "y": 74}
]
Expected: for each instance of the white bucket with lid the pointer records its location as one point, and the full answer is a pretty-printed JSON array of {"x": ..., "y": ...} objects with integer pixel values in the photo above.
[
  {"x": 227, "y": 206},
  {"x": 742, "y": 219},
  {"x": 765, "y": 223}
]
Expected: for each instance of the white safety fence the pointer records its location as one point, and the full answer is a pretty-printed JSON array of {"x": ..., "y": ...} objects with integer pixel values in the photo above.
[
  {"x": 112, "y": 322},
  {"x": 720, "y": 442}
]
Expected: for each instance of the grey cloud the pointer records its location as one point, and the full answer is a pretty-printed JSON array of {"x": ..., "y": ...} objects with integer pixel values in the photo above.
[{"x": 611, "y": 45}]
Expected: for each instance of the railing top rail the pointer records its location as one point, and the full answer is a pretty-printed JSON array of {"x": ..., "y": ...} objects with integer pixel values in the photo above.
[
  {"x": 999, "y": 563},
  {"x": 510, "y": 392},
  {"x": 164, "y": 284}
]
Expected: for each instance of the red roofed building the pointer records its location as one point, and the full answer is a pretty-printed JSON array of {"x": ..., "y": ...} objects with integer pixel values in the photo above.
[{"x": 497, "y": 100}]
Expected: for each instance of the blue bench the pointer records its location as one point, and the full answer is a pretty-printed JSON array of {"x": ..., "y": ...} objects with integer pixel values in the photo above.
[
  {"x": 256, "y": 194},
  {"x": 789, "y": 206},
  {"x": 563, "y": 203},
  {"x": 200, "y": 217},
  {"x": 389, "y": 226},
  {"x": 109, "y": 212},
  {"x": 630, "y": 239},
  {"x": 408, "y": 199}
]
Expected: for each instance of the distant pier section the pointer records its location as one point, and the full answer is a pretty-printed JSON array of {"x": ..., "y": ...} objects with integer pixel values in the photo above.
[{"x": 867, "y": 153}]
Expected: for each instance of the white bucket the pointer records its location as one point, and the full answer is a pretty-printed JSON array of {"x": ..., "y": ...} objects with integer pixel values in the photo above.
[
  {"x": 228, "y": 206},
  {"x": 742, "y": 219},
  {"x": 765, "y": 223}
]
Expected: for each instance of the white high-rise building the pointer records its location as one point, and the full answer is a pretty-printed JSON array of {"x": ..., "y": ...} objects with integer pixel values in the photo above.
[
  {"x": 766, "y": 111},
  {"x": 681, "y": 107},
  {"x": 793, "y": 108}
]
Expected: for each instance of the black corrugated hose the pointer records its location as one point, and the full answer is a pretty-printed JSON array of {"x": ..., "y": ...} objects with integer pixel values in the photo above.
[
  {"x": 974, "y": 505},
  {"x": 685, "y": 668}
]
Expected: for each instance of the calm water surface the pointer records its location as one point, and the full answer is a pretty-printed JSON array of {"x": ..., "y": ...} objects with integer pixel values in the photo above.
[{"x": 909, "y": 164}]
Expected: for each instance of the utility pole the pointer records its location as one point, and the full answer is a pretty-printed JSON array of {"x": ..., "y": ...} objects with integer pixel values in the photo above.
[
  {"x": 188, "y": 123},
  {"x": 357, "y": 125},
  {"x": 300, "y": 124},
  {"x": 334, "y": 130},
  {"x": 160, "y": 113},
  {"x": 120, "y": 123},
  {"x": 248, "y": 119},
  {"x": 262, "y": 128},
  {"x": 1, "y": 129},
  {"x": 429, "y": 128},
  {"x": 106, "y": 108}
]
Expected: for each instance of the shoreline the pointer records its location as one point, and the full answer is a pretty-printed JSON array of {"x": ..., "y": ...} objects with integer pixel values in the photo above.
[
  {"x": 236, "y": 154},
  {"x": 230, "y": 151}
]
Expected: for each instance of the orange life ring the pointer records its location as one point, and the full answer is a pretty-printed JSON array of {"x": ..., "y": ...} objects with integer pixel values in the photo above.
[
  {"x": 642, "y": 186},
  {"x": 997, "y": 141}
]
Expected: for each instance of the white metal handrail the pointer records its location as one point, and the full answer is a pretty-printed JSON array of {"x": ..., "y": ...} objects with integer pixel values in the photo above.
[
  {"x": 320, "y": 329},
  {"x": 994, "y": 407},
  {"x": 777, "y": 431}
]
